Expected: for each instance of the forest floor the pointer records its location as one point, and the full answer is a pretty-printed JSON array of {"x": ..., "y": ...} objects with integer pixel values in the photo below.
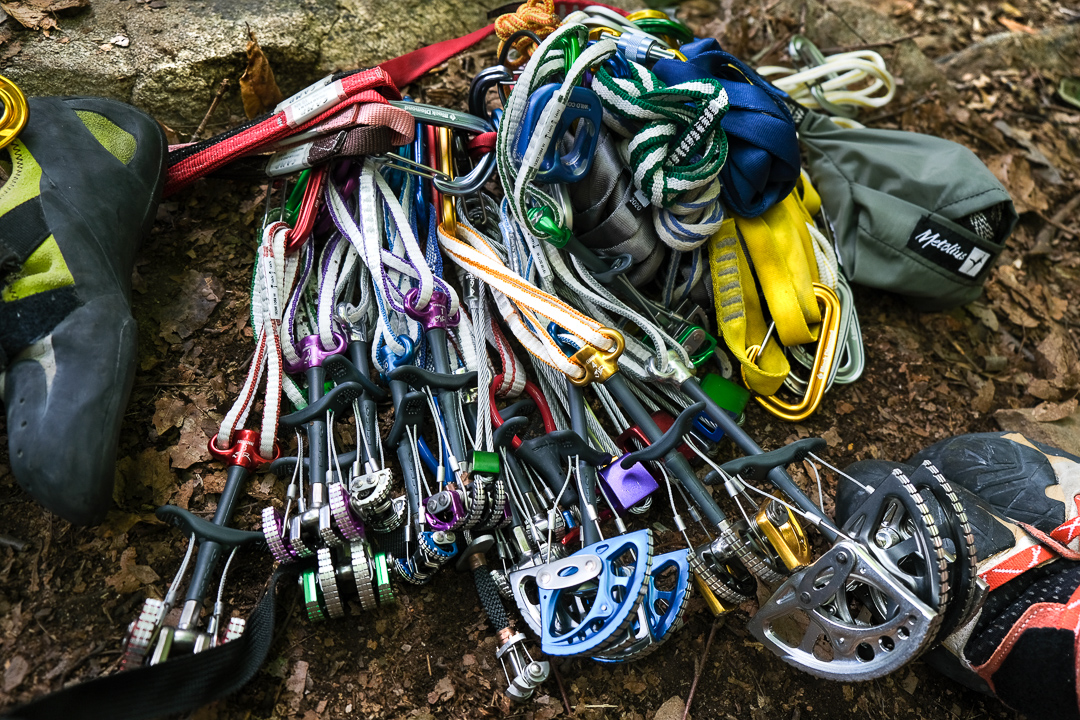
[{"x": 67, "y": 593}]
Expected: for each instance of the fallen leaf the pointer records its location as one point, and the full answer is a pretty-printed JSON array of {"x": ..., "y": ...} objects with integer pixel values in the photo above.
[
  {"x": 183, "y": 496},
  {"x": 146, "y": 478},
  {"x": 168, "y": 413},
  {"x": 295, "y": 685},
  {"x": 832, "y": 437},
  {"x": 984, "y": 398},
  {"x": 1014, "y": 172},
  {"x": 258, "y": 89},
  {"x": 1050, "y": 412},
  {"x": 444, "y": 690},
  {"x": 1017, "y": 27},
  {"x": 672, "y": 709},
  {"x": 192, "y": 445},
  {"x": 214, "y": 483},
  {"x": 1057, "y": 357},
  {"x": 1043, "y": 389},
  {"x": 29, "y": 17},
  {"x": 14, "y": 672},
  {"x": 170, "y": 135},
  {"x": 118, "y": 522},
  {"x": 196, "y": 297},
  {"x": 131, "y": 576}
]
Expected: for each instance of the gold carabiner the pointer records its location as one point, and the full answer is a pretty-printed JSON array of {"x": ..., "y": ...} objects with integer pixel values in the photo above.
[
  {"x": 16, "y": 111},
  {"x": 596, "y": 32},
  {"x": 785, "y": 533},
  {"x": 597, "y": 364},
  {"x": 648, "y": 14},
  {"x": 449, "y": 216},
  {"x": 824, "y": 359}
]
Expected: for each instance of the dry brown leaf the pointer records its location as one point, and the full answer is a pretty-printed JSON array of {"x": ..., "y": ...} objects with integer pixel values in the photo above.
[
  {"x": 258, "y": 89},
  {"x": 192, "y": 445},
  {"x": 1050, "y": 412},
  {"x": 131, "y": 576},
  {"x": 1063, "y": 433},
  {"x": 183, "y": 496},
  {"x": 198, "y": 295},
  {"x": 444, "y": 690},
  {"x": 1057, "y": 357},
  {"x": 168, "y": 413},
  {"x": 295, "y": 685},
  {"x": 118, "y": 522},
  {"x": 1014, "y": 172},
  {"x": 14, "y": 672},
  {"x": 1043, "y": 389},
  {"x": 145, "y": 477},
  {"x": 29, "y": 17},
  {"x": 984, "y": 398},
  {"x": 214, "y": 483},
  {"x": 1017, "y": 26}
]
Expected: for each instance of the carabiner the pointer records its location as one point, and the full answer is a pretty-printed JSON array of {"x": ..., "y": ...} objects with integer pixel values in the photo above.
[
  {"x": 455, "y": 120},
  {"x": 309, "y": 208},
  {"x": 447, "y": 214},
  {"x": 824, "y": 359},
  {"x": 16, "y": 111}
]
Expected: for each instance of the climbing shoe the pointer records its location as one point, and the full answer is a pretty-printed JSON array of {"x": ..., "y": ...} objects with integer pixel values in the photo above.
[
  {"x": 1010, "y": 626},
  {"x": 86, "y": 176}
]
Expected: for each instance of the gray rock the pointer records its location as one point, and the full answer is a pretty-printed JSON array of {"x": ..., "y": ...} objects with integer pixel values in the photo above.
[{"x": 178, "y": 54}]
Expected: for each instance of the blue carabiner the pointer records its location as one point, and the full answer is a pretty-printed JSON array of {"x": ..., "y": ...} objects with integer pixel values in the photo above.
[{"x": 582, "y": 107}]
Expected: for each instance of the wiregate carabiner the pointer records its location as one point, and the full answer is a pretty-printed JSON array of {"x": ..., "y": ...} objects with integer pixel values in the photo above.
[{"x": 455, "y": 120}]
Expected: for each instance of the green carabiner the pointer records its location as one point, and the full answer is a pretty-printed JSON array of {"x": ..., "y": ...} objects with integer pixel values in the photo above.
[
  {"x": 571, "y": 51},
  {"x": 292, "y": 205},
  {"x": 673, "y": 29}
]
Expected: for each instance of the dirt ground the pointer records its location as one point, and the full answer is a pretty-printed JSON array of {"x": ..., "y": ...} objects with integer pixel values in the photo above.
[{"x": 67, "y": 594}]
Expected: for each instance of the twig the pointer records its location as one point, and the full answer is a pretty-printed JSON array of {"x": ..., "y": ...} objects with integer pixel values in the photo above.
[
  {"x": 871, "y": 45},
  {"x": 701, "y": 665},
  {"x": 75, "y": 665},
  {"x": 764, "y": 53},
  {"x": 979, "y": 136},
  {"x": 11, "y": 542},
  {"x": 562, "y": 689},
  {"x": 1053, "y": 222},
  {"x": 213, "y": 106},
  {"x": 902, "y": 109},
  {"x": 748, "y": 11},
  {"x": 1046, "y": 235}
]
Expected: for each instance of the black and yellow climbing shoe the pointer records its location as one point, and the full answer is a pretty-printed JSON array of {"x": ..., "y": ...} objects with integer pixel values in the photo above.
[{"x": 86, "y": 177}]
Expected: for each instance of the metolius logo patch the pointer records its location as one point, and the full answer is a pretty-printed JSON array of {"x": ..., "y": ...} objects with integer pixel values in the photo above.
[{"x": 947, "y": 248}]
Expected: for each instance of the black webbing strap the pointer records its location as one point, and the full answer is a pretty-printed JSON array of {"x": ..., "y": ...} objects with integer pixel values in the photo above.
[
  {"x": 175, "y": 686},
  {"x": 29, "y": 319},
  {"x": 22, "y": 230}
]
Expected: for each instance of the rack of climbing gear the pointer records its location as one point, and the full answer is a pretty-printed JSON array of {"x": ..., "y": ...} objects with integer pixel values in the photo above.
[{"x": 563, "y": 357}]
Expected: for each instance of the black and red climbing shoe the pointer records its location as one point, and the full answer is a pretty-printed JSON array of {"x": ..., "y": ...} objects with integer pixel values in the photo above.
[{"x": 86, "y": 176}]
